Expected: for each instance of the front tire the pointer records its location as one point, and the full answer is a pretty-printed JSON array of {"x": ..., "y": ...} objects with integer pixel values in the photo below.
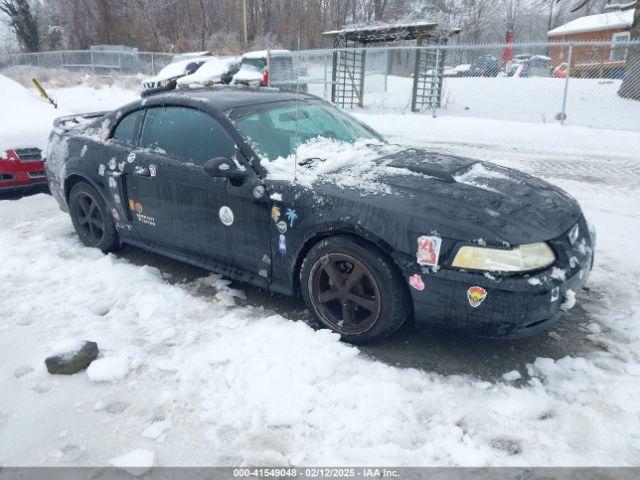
[
  {"x": 354, "y": 289},
  {"x": 91, "y": 220}
]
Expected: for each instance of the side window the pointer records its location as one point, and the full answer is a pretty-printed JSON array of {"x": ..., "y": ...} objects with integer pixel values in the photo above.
[
  {"x": 126, "y": 129},
  {"x": 186, "y": 134}
]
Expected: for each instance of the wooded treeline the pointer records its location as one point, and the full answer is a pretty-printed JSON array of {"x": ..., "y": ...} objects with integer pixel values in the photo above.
[{"x": 181, "y": 25}]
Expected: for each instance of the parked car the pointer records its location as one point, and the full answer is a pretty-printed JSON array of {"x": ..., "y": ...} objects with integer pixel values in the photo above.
[
  {"x": 206, "y": 177},
  {"x": 167, "y": 78},
  {"x": 269, "y": 68},
  {"x": 212, "y": 72},
  {"x": 24, "y": 128},
  {"x": 515, "y": 62},
  {"x": 21, "y": 169},
  {"x": 537, "y": 66},
  {"x": 561, "y": 71},
  {"x": 484, "y": 66}
]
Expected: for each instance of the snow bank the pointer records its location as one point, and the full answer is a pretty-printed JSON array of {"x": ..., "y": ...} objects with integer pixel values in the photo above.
[
  {"x": 241, "y": 385},
  {"x": 26, "y": 118},
  {"x": 108, "y": 369}
]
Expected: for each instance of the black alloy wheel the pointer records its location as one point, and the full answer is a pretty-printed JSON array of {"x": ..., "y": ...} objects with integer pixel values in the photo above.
[{"x": 345, "y": 293}]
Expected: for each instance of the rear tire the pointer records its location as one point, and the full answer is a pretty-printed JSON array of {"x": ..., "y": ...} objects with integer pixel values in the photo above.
[
  {"x": 91, "y": 219},
  {"x": 354, "y": 289}
]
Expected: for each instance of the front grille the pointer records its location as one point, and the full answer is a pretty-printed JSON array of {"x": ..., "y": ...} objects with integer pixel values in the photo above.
[
  {"x": 29, "y": 154},
  {"x": 6, "y": 176},
  {"x": 36, "y": 174}
]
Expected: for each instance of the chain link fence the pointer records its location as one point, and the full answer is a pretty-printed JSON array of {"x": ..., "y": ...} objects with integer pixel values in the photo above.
[
  {"x": 557, "y": 82},
  {"x": 565, "y": 83},
  {"x": 98, "y": 62}
]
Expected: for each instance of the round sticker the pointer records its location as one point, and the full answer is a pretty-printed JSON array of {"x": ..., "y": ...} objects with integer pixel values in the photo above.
[
  {"x": 258, "y": 192},
  {"x": 131, "y": 157},
  {"x": 282, "y": 226},
  {"x": 226, "y": 215},
  {"x": 112, "y": 164}
]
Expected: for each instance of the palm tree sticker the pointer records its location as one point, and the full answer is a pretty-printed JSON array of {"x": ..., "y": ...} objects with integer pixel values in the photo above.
[{"x": 291, "y": 215}]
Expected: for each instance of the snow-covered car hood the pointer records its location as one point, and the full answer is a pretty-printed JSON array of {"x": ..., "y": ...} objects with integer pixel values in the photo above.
[
  {"x": 248, "y": 74},
  {"x": 453, "y": 195},
  {"x": 514, "y": 206}
]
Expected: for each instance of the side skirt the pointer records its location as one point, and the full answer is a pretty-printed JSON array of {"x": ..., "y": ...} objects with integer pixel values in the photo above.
[{"x": 212, "y": 266}]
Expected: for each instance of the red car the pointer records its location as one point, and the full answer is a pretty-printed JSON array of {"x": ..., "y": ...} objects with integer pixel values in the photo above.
[{"x": 21, "y": 168}]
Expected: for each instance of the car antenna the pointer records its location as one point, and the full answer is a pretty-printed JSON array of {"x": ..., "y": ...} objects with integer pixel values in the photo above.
[{"x": 295, "y": 163}]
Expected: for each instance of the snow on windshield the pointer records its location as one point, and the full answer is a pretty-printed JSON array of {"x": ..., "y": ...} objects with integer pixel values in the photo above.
[{"x": 347, "y": 165}]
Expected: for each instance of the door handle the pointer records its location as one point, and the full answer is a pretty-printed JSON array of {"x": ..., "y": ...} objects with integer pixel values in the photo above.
[{"x": 141, "y": 171}]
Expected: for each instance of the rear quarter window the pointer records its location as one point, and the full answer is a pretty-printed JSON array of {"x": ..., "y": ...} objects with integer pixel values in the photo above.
[{"x": 127, "y": 129}]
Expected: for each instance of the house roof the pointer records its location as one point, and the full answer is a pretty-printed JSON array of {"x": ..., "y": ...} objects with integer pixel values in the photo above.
[{"x": 595, "y": 23}]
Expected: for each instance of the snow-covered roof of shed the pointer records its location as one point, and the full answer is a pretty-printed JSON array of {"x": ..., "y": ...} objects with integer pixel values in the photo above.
[
  {"x": 379, "y": 26},
  {"x": 595, "y": 23},
  {"x": 389, "y": 32}
]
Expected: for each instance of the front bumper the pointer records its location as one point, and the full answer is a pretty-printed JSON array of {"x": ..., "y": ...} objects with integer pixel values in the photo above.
[{"x": 515, "y": 306}]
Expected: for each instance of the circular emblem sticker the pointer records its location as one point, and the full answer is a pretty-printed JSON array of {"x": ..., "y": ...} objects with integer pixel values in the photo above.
[
  {"x": 282, "y": 226},
  {"x": 258, "y": 192},
  {"x": 226, "y": 215},
  {"x": 131, "y": 157}
]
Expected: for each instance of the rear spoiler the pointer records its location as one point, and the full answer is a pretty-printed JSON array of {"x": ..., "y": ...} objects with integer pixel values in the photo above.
[{"x": 71, "y": 121}]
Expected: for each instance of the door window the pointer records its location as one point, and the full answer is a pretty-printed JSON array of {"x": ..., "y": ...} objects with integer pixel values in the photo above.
[
  {"x": 185, "y": 133},
  {"x": 126, "y": 131}
]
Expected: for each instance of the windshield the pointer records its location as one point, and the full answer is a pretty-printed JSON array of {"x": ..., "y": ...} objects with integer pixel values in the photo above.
[
  {"x": 275, "y": 132},
  {"x": 253, "y": 63}
]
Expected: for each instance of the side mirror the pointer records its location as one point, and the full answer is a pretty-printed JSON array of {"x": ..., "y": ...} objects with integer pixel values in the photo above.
[
  {"x": 192, "y": 67},
  {"x": 224, "y": 167}
]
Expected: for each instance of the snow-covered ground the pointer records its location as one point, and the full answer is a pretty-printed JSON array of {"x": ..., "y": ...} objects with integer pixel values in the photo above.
[
  {"x": 187, "y": 376},
  {"x": 590, "y": 102}
]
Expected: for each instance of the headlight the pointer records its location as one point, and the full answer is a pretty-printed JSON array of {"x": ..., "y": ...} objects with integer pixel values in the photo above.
[
  {"x": 520, "y": 259},
  {"x": 164, "y": 83}
]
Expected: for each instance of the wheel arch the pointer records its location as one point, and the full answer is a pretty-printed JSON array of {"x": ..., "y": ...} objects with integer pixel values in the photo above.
[
  {"x": 359, "y": 235},
  {"x": 74, "y": 178}
]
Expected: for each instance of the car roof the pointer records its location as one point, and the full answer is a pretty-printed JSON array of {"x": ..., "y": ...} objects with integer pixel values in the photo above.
[{"x": 229, "y": 97}]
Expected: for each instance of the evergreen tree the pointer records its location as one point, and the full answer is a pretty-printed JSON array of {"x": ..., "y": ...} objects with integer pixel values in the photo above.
[{"x": 23, "y": 23}]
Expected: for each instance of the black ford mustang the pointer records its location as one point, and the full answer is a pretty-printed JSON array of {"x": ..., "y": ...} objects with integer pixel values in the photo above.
[{"x": 446, "y": 241}]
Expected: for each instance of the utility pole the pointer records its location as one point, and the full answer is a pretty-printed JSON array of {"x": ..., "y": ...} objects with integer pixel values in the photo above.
[{"x": 243, "y": 23}]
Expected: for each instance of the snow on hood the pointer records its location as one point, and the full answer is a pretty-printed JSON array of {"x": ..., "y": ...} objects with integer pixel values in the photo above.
[
  {"x": 211, "y": 70},
  {"x": 26, "y": 119},
  {"x": 248, "y": 73}
]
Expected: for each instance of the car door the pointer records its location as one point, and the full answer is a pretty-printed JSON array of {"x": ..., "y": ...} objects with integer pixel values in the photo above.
[
  {"x": 120, "y": 148},
  {"x": 176, "y": 204}
]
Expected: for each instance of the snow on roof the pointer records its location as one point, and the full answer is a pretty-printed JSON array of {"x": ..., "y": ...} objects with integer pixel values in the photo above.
[
  {"x": 595, "y": 23},
  {"x": 210, "y": 70},
  {"x": 263, "y": 53},
  {"x": 380, "y": 26}
]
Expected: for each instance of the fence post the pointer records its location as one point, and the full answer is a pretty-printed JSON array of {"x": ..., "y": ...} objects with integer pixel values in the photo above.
[{"x": 563, "y": 115}]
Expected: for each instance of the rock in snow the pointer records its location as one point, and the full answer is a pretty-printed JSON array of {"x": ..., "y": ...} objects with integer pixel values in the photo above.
[
  {"x": 72, "y": 357},
  {"x": 138, "y": 462}
]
